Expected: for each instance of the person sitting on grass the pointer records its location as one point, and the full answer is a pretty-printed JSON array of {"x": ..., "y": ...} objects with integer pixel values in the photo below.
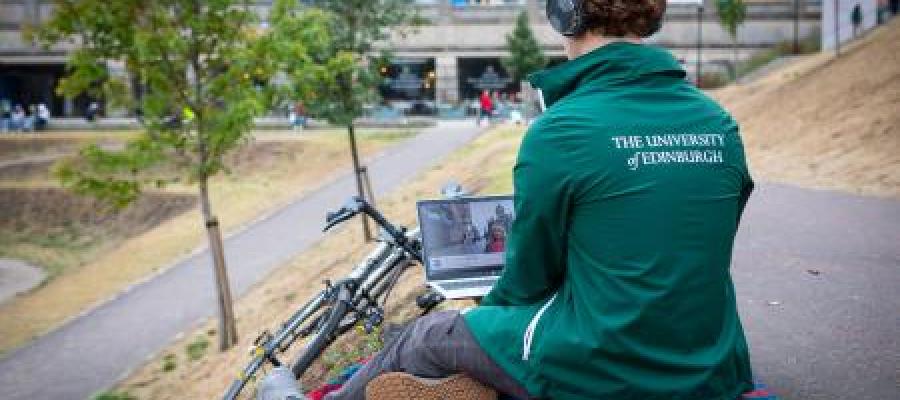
[{"x": 628, "y": 193}]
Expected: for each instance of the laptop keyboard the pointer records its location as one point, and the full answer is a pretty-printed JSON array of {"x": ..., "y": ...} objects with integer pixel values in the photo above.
[{"x": 469, "y": 283}]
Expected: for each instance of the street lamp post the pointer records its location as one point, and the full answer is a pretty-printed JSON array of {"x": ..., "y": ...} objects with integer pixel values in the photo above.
[
  {"x": 837, "y": 27},
  {"x": 699, "y": 43},
  {"x": 796, "y": 26}
]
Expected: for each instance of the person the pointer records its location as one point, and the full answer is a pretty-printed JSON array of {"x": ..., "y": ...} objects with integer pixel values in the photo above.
[
  {"x": 297, "y": 116},
  {"x": 856, "y": 18},
  {"x": 43, "y": 117},
  {"x": 5, "y": 115},
  {"x": 17, "y": 118},
  {"x": 92, "y": 110},
  {"x": 502, "y": 217},
  {"x": 30, "y": 118},
  {"x": 628, "y": 192},
  {"x": 486, "y": 107},
  {"x": 496, "y": 239}
]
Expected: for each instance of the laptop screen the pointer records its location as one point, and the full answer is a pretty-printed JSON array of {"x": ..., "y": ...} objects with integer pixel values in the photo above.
[{"x": 466, "y": 237}]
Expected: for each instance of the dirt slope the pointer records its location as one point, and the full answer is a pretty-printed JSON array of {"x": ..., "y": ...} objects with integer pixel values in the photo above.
[{"x": 827, "y": 122}]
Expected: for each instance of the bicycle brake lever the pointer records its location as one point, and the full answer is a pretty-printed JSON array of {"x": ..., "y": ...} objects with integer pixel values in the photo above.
[
  {"x": 349, "y": 210},
  {"x": 336, "y": 218}
]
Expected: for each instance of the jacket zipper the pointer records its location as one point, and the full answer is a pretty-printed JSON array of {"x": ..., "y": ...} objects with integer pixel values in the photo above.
[{"x": 529, "y": 332}]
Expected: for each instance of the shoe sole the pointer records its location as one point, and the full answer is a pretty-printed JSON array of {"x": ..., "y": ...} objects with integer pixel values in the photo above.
[{"x": 403, "y": 386}]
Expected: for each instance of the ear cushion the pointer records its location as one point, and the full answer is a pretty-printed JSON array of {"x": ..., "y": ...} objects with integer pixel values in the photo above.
[{"x": 565, "y": 16}]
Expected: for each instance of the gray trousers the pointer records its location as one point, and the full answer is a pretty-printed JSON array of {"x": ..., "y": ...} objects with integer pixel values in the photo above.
[{"x": 435, "y": 346}]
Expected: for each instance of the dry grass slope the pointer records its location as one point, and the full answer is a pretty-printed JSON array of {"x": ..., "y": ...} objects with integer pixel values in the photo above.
[{"x": 825, "y": 122}]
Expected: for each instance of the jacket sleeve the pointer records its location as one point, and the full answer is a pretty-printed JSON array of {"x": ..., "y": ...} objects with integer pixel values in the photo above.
[
  {"x": 536, "y": 251},
  {"x": 746, "y": 190},
  {"x": 741, "y": 160}
]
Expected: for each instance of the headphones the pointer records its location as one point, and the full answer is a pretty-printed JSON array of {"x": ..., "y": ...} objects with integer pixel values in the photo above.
[{"x": 566, "y": 16}]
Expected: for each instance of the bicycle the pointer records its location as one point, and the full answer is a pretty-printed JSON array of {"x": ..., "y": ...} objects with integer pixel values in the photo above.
[{"x": 359, "y": 297}]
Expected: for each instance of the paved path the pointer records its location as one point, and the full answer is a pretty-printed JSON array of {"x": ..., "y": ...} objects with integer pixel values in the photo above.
[
  {"x": 17, "y": 277},
  {"x": 92, "y": 352},
  {"x": 818, "y": 284}
]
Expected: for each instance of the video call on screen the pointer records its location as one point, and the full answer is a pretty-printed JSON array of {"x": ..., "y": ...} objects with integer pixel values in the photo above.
[{"x": 466, "y": 234}]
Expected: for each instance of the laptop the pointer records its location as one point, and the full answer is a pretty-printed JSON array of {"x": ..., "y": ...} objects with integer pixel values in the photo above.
[{"x": 464, "y": 243}]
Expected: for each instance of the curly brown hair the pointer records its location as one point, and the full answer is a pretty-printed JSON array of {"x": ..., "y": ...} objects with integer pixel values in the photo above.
[{"x": 620, "y": 18}]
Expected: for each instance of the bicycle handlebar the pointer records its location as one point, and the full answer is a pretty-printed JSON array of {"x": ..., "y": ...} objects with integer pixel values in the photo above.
[{"x": 356, "y": 205}]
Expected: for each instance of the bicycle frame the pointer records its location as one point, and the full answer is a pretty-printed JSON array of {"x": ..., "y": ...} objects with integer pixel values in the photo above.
[{"x": 355, "y": 296}]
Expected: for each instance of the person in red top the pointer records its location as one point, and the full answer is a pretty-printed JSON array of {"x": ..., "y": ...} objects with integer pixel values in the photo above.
[
  {"x": 497, "y": 239},
  {"x": 487, "y": 107}
]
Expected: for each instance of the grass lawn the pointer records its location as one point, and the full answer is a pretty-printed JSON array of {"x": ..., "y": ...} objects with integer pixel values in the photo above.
[{"x": 91, "y": 255}]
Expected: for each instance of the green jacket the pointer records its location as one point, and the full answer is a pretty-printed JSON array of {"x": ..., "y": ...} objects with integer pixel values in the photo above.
[{"x": 628, "y": 193}]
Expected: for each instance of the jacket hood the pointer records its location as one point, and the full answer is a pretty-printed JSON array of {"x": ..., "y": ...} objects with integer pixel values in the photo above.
[{"x": 612, "y": 63}]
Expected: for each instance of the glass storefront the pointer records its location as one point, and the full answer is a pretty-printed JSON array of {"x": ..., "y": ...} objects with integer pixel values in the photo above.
[
  {"x": 480, "y": 74},
  {"x": 31, "y": 84},
  {"x": 409, "y": 85}
]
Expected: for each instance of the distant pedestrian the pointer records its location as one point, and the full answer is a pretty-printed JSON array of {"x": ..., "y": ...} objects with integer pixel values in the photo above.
[
  {"x": 30, "y": 116},
  {"x": 486, "y": 107},
  {"x": 5, "y": 115},
  {"x": 297, "y": 116},
  {"x": 17, "y": 119},
  {"x": 856, "y": 18},
  {"x": 42, "y": 117},
  {"x": 92, "y": 110}
]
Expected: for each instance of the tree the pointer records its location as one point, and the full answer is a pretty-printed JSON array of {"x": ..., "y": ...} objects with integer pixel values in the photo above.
[
  {"x": 526, "y": 55},
  {"x": 347, "y": 81},
  {"x": 732, "y": 14},
  {"x": 201, "y": 67}
]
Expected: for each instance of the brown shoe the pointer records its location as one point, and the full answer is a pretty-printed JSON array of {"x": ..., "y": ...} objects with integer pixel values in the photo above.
[{"x": 403, "y": 386}]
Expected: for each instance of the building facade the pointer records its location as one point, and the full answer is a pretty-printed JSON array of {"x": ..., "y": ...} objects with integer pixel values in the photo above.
[
  {"x": 447, "y": 61},
  {"x": 466, "y": 39}
]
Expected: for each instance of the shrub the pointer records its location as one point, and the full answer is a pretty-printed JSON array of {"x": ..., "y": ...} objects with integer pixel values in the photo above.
[
  {"x": 113, "y": 396},
  {"x": 712, "y": 80},
  {"x": 197, "y": 349},
  {"x": 168, "y": 363}
]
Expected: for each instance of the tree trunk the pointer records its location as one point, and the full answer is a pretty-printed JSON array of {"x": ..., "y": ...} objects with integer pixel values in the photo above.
[
  {"x": 734, "y": 49},
  {"x": 227, "y": 329},
  {"x": 357, "y": 172}
]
